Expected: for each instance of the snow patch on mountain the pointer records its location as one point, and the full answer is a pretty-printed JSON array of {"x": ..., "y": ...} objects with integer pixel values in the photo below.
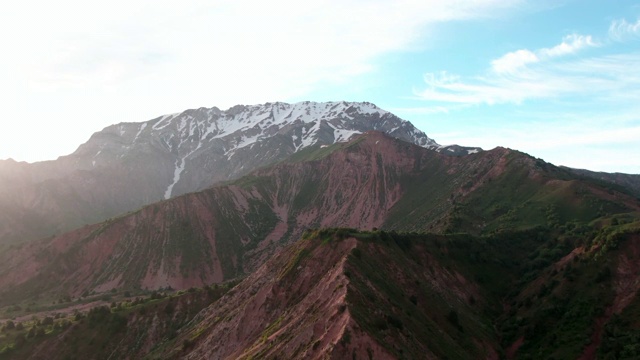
[
  {"x": 166, "y": 119},
  {"x": 176, "y": 177},
  {"x": 142, "y": 127},
  {"x": 342, "y": 135}
]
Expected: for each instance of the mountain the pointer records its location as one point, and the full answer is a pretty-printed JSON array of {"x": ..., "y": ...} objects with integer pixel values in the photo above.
[
  {"x": 491, "y": 255},
  {"x": 129, "y": 165},
  {"x": 374, "y": 181},
  {"x": 341, "y": 293},
  {"x": 205, "y": 146},
  {"x": 629, "y": 181},
  {"x": 227, "y": 230}
]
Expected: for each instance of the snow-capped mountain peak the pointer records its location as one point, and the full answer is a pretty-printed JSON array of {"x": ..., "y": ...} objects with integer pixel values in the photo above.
[{"x": 201, "y": 146}]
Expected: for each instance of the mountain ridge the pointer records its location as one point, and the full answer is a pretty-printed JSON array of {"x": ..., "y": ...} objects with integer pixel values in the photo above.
[
  {"x": 308, "y": 302},
  {"x": 372, "y": 181},
  {"x": 129, "y": 165}
]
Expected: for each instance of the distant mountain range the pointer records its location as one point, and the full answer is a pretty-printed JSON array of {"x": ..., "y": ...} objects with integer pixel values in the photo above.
[
  {"x": 129, "y": 165},
  {"x": 628, "y": 181}
]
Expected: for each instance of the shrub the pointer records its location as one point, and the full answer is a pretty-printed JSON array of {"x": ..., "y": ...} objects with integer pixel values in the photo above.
[
  {"x": 346, "y": 337},
  {"x": 394, "y": 321},
  {"x": 380, "y": 324},
  {"x": 453, "y": 318},
  {"x": 187, "y": 344},
  {"x": 169, "y": 308},
  {"x": 413, "y": 299}
]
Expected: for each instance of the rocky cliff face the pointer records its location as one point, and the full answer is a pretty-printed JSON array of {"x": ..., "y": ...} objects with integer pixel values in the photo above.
[
  {"x": 129, "y": 165},
  {"x": 288, "y": 307},
  {"x": 321, "y": 298}
]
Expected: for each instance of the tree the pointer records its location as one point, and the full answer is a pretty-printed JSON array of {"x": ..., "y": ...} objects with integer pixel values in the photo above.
[{"x": 453, "y": 319}]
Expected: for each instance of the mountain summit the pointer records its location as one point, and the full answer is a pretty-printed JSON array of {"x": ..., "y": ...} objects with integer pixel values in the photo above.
[{"x": 202, "y": 146}]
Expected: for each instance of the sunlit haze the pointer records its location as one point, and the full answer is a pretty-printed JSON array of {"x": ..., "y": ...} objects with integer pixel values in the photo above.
[{"x": 559, "y": 80}]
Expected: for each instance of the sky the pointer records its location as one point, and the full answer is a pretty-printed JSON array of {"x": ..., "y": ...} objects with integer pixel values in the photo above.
[{"x": 559, "y": 80}]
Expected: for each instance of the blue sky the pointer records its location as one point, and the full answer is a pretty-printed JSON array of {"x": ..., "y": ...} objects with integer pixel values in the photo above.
[{"x": 559, "y": 80}]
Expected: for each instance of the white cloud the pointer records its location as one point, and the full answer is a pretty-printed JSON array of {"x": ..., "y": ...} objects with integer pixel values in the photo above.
[
  {"x": 513, "y": 61},
  {"x": 579, "y": 111},
  {"x": 569, "y": 45},
  {"x": 446, "y": 88},
  {"x": 297, "y": 44},
  {"x": 541, "y": 74},
  {"x": 421, "y": 110},
  {"x": 137, "y": 59},
  {"x": 621, "y": 30}
]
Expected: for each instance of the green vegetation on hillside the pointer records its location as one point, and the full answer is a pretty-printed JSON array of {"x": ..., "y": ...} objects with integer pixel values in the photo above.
[
  {"x": 122, "y": 329},
  {"x": 463, "y": 292}
]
